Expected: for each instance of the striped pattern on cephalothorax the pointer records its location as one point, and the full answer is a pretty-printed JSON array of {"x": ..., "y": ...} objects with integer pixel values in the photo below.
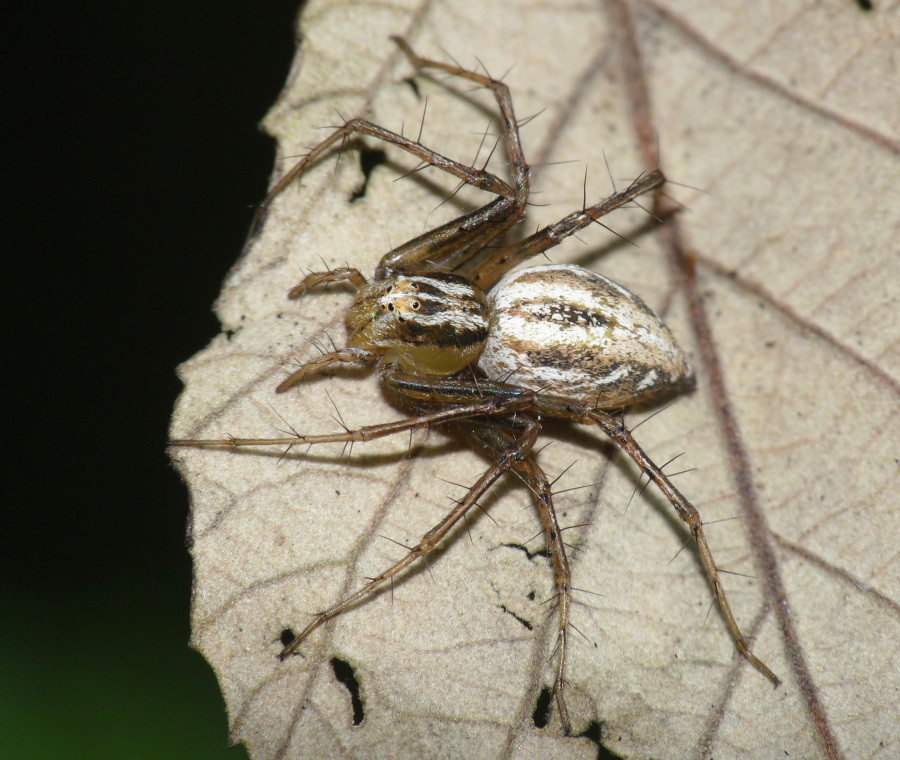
[
  {"x": 569, "y": 331},
  {"x": 435, "y": 323},
  {"x": 445, "y": 309}
]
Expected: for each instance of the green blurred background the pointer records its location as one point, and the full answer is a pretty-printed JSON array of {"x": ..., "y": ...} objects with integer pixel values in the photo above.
[{"x": 134, "y": 163}]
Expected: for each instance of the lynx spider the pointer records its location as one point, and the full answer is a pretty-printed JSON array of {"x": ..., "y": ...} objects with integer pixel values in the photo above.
[{"x": 427, "y": 327}]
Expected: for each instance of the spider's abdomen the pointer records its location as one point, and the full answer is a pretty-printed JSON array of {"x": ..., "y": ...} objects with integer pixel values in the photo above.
[
  {"x": 433, "y": 324},
  {"x": 569, "y": 331}
]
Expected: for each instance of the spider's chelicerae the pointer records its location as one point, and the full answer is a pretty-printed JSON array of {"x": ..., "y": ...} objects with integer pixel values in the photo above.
[{"x": 497, "y": 350}]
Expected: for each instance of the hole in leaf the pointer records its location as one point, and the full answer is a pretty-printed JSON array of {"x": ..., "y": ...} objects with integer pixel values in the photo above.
[
  {"x": 344, "y": 673},
  {"x": 542, "y": 708},
  {"x": 286, "y": 637},
  {"x": 522, "y": 620},
  {"x": 528, "y": 553}
]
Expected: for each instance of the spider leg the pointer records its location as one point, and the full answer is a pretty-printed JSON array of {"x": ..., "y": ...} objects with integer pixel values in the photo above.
[
  {"x": 491, "y": 405},
  {"x": 476, "y": 233},
  {"x": 503, "y": 259},
  {"x": 341, "y": 274},
  {"x": 459, "y": 399},
  {"x": 506, "y": 460},
  {"x": 521, "y": 170},
  {"x": 358, "y": 356},
  {"x": 689, "y": 515},
  {"x": 578, "y": 411},
  {"x": 462, "y": 234},
  {"x": 540, "y": 485},
  {"x": 479, "y": 178},
  {"x": 454, "y": 243}
]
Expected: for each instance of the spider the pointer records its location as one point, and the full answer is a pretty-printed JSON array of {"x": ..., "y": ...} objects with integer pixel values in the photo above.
[{"x": 498, "y": 350}]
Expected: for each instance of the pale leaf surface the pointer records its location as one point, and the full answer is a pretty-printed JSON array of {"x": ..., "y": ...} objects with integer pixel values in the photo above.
[{"x": 784, "y": 116}]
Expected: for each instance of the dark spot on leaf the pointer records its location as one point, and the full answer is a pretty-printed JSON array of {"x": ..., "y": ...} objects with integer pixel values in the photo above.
[
  {"x": 344, "y": 673},
  {"x": 529, "y": 554},
  {"x": 542, "y": 708},
  {"x": 522, "y": 620}
]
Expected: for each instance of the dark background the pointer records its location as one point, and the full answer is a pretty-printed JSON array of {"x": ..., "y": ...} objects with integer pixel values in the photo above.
[{"x": 131, "y": 170}]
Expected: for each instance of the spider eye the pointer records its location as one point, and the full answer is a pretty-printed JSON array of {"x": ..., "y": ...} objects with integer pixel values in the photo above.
[
  {"x": 390, "y": 307},
  {"x": 415, "y": 305}
]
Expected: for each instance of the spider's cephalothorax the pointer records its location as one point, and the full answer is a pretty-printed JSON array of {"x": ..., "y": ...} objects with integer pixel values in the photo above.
[
  {"x": 434, "y": 324},
  {"x": 550, "y": 341}
]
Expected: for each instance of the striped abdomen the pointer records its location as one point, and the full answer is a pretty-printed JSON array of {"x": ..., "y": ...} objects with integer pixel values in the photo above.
[{"x": 569, "y": 331}]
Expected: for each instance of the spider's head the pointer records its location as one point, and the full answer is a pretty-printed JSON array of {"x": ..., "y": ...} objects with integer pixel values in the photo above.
[{"x": 433, "y": 324}]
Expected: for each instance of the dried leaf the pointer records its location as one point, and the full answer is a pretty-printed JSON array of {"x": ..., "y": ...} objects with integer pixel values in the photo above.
[{"x": 785, "y": 118}]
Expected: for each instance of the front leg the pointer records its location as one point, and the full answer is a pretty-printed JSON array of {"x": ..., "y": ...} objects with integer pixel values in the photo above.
[
  {"x": 489, "y": 271},
  {"x": 359, "y": 357},
  {"x": 490, "y": 406},
  {"x": 341, "y": 274}
]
